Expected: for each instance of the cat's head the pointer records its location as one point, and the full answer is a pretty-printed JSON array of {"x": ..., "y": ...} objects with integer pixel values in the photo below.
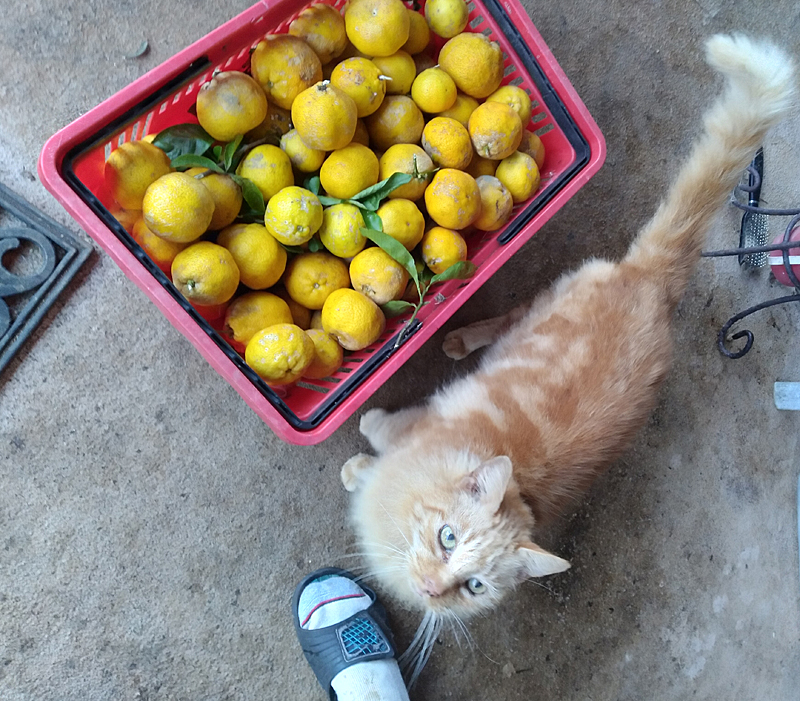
[{"x": 456, "y": 543}]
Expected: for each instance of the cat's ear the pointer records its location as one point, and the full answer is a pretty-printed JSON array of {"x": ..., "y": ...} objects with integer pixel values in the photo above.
[
  {"x": 537, "y": 562},
  {"x": 488, "y": 483}
]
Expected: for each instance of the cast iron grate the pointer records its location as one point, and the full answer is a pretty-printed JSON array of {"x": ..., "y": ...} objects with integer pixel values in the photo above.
[{"x": 38, "y": 258}]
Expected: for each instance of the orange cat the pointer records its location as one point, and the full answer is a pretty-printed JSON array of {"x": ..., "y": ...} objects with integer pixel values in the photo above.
[{"x": 445, "y": 513}]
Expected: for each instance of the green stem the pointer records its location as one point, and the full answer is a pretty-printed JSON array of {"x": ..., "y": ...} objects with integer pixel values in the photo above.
[{"x": 421, "y": 291}]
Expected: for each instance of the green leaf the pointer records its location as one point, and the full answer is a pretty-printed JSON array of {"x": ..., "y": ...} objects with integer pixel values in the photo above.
[
  {"x": 326, "y": 201},
  {"x": 463, "y": 270},
  {"x": 184, "y": 139},
  {"x": 372, "y": 220},
  {"x": 395, "y": 249},
  {"x": 252, "y": 195},
  {"x": 371, "y": 197},
  {"x": 189, "y": 160},
  {"x": 315, "y": 245},
  {"x": 230, "y": 150},
  {"x": 217, "y": 151},
  {"x": 312, "y": 184},
  {"x": 396, "y": 307},
  {"x": 292, "y": 249}
]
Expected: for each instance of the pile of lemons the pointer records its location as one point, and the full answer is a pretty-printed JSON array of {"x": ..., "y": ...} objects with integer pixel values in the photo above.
[{"x": 349, "y": 98}]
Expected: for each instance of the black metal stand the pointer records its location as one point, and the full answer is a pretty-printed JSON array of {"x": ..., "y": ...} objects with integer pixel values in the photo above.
[{"x": 783, "y": 247}]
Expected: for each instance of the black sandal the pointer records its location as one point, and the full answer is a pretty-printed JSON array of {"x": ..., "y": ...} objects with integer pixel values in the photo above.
[{"x": 362, "y": 637}]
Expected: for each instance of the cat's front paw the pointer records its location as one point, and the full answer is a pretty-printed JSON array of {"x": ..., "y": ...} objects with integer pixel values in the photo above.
[
  {"x": 454, "y": 346},
  {"x": 371, "y": 423},
  {"x": 353, "y": 468}
]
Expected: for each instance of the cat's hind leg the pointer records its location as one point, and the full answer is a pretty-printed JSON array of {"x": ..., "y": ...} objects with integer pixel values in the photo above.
[
  {"x": 460, "y": 343},
  {"x": 383, "y": 429}
]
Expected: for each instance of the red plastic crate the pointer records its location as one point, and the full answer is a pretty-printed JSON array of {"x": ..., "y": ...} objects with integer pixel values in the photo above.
[{"x": 71, "y": 168}]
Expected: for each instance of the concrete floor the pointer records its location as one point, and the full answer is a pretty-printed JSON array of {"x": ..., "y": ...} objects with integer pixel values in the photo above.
[{"x": 152, "y": 528}]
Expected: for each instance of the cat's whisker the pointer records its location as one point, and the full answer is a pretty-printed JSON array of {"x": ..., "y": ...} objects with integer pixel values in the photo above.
[
  {"x": 377, "y": 574},
  {"x": 409, "y": 652},
  {"x": 464, "y": 629},
  {"x": 396, "y": 525},
  {"x": 425, "y": 651},
  {"x": 543, "y": 586}
]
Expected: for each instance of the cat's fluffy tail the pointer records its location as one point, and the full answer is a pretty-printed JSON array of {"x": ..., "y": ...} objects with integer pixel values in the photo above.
[{"x": 759, "y": 92}]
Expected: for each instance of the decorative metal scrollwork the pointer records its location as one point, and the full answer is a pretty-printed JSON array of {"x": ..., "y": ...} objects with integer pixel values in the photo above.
[
  {"x": 783, "y": 247},
  {"x": 12, "y": 284},
  {"x": 58, "y": 255}
]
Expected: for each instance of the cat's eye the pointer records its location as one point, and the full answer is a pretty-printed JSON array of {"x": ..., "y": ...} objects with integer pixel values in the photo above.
[
  {"x": 476, "y": 586},
  {"x": 447, "y": 538}
]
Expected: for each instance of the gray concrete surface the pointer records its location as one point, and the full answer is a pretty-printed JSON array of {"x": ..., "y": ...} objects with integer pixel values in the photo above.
[{"x": 152, "y": 528}]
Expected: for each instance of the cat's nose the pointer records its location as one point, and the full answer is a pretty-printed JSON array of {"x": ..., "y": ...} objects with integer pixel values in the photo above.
[{"x": 432, "y": 587}]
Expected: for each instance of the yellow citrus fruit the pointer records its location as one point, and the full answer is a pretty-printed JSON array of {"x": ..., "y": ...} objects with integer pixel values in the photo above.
[
  {"x": 284, "y": 66},
  {"x": 277, "y": 123},
  {"x": 434, "y": 91},
  {"x": 419, "y": 34},
  {"x": 446, "y": 18},
  {"x": 400, "y": 68},
  {"x": 161, "y": 251},
  {"x": 533, "y": 146},
  {"x": 341, "y": 228},
  {"x": 481, "y": 166},
  {"x": 349, "y": 170},
  {"x": 311, "y": 277},
  {"x": 205, "y": 273},
  {"x": 316, "y": 319},
  {"x": 131, "y": 169},
  {"x": 403, "y": 221},
  {"x": 260, "y": 258},
  {"x": 442, "y": 248},
  {"x": 361, "y": 79},
  {"x": 375, "y": 273},
  {"x": 126, "y": 217},
  {"x": 495, "y": 129},
  {"x": 520, "y": 175},
  {"x": 268, "y": 168},
  {"x": 252, "y": 312},
  {"x": 280, "y": 354},
  {"x": 474, "y": 62},
  {"x": 300, "y": 315},
  {"x": 397, "y": 121},
  {"x": 447, "y": 142},
  {"x": 328, "y": 357},
  {"x": 377, "y": 27},
  {"x": 353, "y": 319},
  {"x": 423, "y": 61},
  {"x": 453, "y": 199},
  {"x": 227, "y": 196},
  {"x": 322, "y": 27},
  {"x": 350, "y": 51},
  {"x": 325, "y": 116},
  {"x": 293, "y": 215},
  {"x": 516, "y": 98},
  {"x": 177, "y": 207},
  {"x": 496, "y": 204},
  {"x": 362, "y": 135},
  {"x": 230, "y": 104},
  {"x": 404, "y": 158},
  {"x": 462, "y": 108},
  {"x": 304, "y": 158}
]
